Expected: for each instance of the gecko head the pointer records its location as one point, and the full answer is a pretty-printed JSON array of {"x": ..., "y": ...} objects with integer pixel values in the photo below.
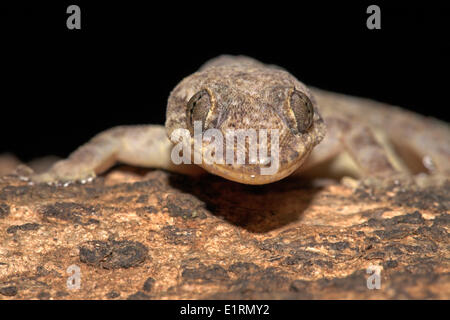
[{"x": 247, "y": 124}]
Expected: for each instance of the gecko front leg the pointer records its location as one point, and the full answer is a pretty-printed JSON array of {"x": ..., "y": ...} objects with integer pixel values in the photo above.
[
  {"x": 369, "y": 155},
  {"x": 349, "y": 149},
  {"x": 146, "y": 146}
]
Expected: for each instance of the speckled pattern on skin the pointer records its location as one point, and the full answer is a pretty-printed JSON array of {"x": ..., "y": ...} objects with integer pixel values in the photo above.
[
  {"x": 248, "y": 95},
  {"x": 343, "y": 137}
]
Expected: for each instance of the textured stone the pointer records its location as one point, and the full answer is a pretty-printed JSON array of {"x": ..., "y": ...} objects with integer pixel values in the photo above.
[{"x": 137, "y": 234}]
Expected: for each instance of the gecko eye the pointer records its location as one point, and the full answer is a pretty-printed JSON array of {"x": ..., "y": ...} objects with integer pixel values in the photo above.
[
  {"x": 198, "y": 107},
  {"x": 303, "y": 110}
]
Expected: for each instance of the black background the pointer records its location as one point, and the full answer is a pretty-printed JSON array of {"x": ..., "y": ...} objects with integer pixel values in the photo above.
[
  {"x": 60, "y": 87},
  {"x": 279, "y": 309}
]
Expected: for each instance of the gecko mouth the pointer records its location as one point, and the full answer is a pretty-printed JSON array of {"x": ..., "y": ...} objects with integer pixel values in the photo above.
[
  {"x": 251, "y": 173},
  {"x": 281, "y": 162}
]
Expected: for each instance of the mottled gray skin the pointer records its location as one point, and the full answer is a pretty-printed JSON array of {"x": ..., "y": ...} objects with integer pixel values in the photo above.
[
  {"x": 362, "y": 137},
  {"x": 246, "y": 94}
]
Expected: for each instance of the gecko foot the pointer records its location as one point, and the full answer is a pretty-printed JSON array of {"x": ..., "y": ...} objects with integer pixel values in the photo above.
[
  {"x": 63, "y": 174},
  {"x": 388, "y": 181},
  {"x": 51, "y": 179}
]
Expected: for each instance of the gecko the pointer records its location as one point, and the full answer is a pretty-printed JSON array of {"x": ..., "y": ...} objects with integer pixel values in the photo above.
[{"x": 320, "y": 133}]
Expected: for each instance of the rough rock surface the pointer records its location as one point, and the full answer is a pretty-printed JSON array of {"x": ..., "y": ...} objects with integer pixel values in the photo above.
[{"x": 152, "y": 235}]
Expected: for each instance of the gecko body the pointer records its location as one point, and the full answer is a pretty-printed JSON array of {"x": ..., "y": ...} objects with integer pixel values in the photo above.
[{"x": 319, "y": 132}]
